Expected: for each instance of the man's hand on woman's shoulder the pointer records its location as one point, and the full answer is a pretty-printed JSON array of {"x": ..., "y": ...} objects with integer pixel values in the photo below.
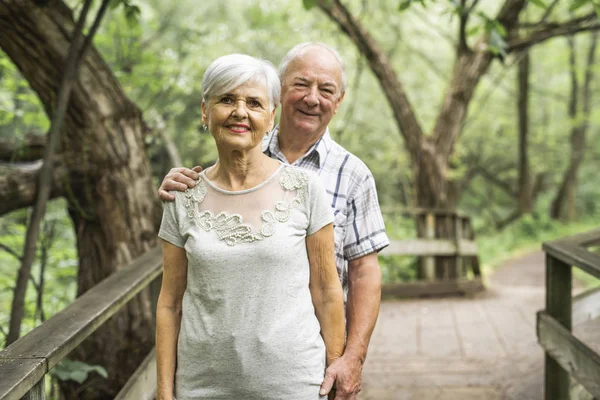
[{"x": 180, "y": 179}]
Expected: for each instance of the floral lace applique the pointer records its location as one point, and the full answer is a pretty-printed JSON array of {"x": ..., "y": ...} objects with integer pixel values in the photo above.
[{"x": 231, "y": 227}]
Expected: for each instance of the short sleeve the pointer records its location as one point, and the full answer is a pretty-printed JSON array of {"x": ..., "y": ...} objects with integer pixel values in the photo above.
[
  {"x": 169, "y": 227},
  {"x": 365, "y": 229},
  {"x": 319, "y": 211}
]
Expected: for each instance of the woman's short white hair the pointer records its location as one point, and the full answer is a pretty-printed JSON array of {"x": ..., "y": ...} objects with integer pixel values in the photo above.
[
  {"x": 229, "y": 72},
  {"x": 299, "y": 50}
]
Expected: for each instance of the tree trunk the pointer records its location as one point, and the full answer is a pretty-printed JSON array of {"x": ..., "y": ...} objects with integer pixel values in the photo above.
[
  {"x": 563, "y": 206},
  {"x": 115, "y": 211},
  {"x": 524, "y": 191}
]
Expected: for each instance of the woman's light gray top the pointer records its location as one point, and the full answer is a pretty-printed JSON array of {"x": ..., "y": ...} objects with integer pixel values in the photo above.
[{"x": 248, "y": 329}]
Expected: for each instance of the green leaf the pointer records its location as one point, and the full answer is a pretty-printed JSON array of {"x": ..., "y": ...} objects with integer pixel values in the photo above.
[
  {"x": 473, "y": 30},
  {"x": 578, "y": 4},
  {"x": 538, "y": 3},
  {"x": 597, "y": 8},
  {"x": 78, "y": 371},
  {"x": 308, "y": 4},
  {"x": 114, "y": 4},
  {"x": 496, "y": 43},
  {"x": 404, "y": 5}
]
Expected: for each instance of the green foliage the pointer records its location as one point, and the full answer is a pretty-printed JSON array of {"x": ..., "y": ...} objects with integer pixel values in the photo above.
[
  {"x": 538, "y": 3},
  {"x": 78, "y": 371},
  {"x": 308, "y": 4}
]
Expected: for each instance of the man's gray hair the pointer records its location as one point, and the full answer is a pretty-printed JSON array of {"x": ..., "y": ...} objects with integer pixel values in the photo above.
[
  {"x": 300, "y": 49},
  {"x": 229, "y": 72}
]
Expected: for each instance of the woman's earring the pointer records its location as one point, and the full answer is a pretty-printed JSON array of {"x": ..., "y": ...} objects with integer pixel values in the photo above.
[{"x": 205, "y": 127}]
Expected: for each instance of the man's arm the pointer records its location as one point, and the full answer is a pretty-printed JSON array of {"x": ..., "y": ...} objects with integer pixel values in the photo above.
[
  {"x": 180, "y": 179},
  {"x": 362, "y": 309}
]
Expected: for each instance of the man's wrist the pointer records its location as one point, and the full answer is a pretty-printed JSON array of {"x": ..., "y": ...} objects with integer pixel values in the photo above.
[{"x": 353, "y": 353}]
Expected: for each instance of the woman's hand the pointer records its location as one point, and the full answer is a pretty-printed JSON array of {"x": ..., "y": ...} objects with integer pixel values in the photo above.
[{"x": 180, "y": 179}]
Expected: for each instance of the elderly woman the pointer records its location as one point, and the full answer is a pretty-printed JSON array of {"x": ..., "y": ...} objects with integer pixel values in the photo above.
[{"x": 251, "y": 306}]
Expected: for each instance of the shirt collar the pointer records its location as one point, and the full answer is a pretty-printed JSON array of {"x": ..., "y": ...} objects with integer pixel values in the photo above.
[{"x": 321, "y": 147}]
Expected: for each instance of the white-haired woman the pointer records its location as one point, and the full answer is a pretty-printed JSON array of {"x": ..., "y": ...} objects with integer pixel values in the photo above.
[{"x": 251, "y": 306}]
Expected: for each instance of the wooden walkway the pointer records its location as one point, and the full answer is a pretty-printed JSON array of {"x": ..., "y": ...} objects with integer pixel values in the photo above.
[{"x": 463, "y": 348}]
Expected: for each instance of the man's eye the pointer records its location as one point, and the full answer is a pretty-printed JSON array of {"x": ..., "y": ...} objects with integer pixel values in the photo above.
[{"x": 299, "y": 84}]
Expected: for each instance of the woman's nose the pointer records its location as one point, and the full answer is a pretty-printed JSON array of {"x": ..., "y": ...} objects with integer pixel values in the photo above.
[{"x": 240, "y": 110}]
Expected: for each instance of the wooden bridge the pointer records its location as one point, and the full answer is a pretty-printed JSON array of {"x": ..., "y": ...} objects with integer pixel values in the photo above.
[{"x": 482, "y": 345}]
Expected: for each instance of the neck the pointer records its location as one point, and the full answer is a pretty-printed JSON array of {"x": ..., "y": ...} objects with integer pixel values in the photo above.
[
  {"x": 293, "y": 144},
  {"x": 237, "y": 170}
]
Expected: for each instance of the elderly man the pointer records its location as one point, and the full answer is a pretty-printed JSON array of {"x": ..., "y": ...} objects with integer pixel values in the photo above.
[{"x": 312, "y": 89}]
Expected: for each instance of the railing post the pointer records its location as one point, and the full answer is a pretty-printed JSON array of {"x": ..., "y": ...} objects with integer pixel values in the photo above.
[
  {"x": 38, "y": 392},
  {"x": 429, "y": 261},
  {"x": 558, "y": 305}
]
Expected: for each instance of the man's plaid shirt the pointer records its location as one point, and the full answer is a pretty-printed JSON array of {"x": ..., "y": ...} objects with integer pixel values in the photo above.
[{"x": 358, "y": 224}]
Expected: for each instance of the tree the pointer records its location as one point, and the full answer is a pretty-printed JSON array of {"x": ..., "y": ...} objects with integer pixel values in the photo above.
[
  {"x": 430, "y": 154},
  {"x": 105, "y": 174},
  {"x": 563, "y": 206}
]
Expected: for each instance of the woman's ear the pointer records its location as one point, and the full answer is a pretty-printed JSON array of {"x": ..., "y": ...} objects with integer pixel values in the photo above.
[{"x": 204, "y": 118}]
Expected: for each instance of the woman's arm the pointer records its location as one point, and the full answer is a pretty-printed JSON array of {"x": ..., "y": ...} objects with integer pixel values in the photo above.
[
  {"x": 168, "y": 317},
  {"x": 326, "y": 291}
]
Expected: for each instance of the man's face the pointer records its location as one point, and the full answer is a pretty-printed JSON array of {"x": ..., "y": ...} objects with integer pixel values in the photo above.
[{"x": 311, "y": 92}]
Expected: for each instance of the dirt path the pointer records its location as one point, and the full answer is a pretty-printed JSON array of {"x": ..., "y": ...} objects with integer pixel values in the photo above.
[{"x": 479, "y": 347}]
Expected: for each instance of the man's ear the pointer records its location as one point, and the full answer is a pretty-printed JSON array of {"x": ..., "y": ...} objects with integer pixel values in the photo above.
[
  {"x": 204, "y": 118},
  {"x": 272, "y": 122},
  {"x": 339, "y": 101}
]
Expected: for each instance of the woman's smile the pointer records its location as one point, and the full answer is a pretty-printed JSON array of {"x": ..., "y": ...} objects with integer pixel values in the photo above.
[{"x": 239, "y": 128}]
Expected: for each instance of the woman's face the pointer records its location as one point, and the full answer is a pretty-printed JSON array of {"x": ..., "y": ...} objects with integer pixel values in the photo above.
[{"x": 239, "y": 119}]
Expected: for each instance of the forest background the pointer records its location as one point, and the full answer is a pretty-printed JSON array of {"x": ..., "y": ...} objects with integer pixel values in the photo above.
[{"x": 523, "y": 165}]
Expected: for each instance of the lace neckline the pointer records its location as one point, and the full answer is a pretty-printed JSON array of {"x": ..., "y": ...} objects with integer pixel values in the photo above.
[{"x": 236, "y": 192}]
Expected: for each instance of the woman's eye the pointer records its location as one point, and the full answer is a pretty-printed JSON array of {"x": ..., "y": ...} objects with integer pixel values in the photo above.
[
  {"x": 227, "y": 100},
  {"x": 254, "y": 103}
]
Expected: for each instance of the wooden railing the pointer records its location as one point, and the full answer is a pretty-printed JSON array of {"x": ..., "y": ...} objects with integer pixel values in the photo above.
[
  {"x": 567, "y": 356},
  {"x": 24, "y": 363},
  {"x": 448, "y": 251}
]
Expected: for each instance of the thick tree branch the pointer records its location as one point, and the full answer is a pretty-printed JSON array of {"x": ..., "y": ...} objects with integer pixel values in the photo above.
[
  {"x": 462, "y": 27},
  {"x": 469, "y": 67},
  {"x": 31, "y": 149},
  {"x": 18, "y": 181},
  {"x": 382, "y": 68},
  {"x": 586, "y": 23}
]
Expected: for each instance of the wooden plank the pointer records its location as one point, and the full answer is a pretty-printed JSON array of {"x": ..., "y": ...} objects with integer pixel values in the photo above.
[
  {"x": 570, "y": 353},
  {"x": 429, "y": 247},
  {"x": 142, "y": 384},
  {"x": 477, "y": 335},
  {"x": 586, "y": 306},
  {"x": 584, "y": 239},
  {"x": 575, "y": 255},
  {"x": 19, "y": 375},
  {"x": 58, "y": 336},
  {"x": 431, "y": 288},
  {"x": 37, "y": 392},
  {"x": 558, "y": 305},
  {"x": 437, "y": 330}
]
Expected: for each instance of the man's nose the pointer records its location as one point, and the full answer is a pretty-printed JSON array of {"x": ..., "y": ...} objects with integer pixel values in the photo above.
[{"x": 312, "y": 96}]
